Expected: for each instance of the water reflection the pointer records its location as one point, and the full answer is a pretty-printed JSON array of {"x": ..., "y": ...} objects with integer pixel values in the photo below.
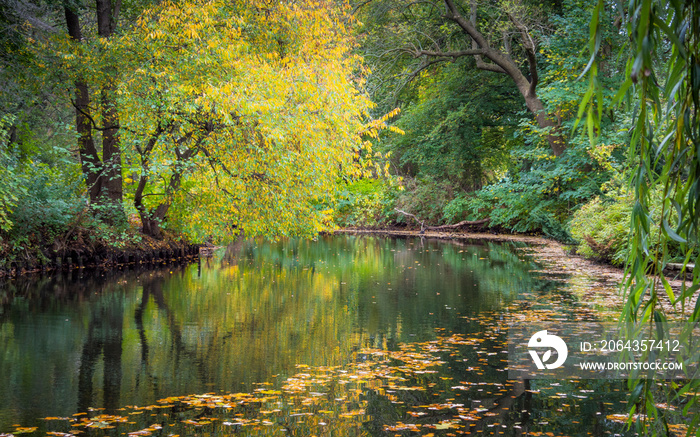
[{"x": 251, "y": 315}]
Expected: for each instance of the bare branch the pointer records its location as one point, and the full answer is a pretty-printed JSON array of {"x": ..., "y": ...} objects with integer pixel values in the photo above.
[
  {"x": 444, "y": 56},
  {"x": 481, "y": 222},
  {"x": 501, "y": 62},
  {"x": 422, "y": 226}
]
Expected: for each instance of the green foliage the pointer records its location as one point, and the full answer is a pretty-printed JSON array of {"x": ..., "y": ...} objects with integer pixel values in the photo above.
[
  {"x": 540, "y": 193},
  {"x": 468, "y": 154},
  {"x": 560, "y": 86},
  {"x": 366, "y": 202},
  {"x": 43, "y": 199},
  {"x": 457, "y": 129},
  {"x": 50, "y": 203},
  {"x": 39, "y": 185},
  {"x": 601, "y": 227},
  {"x": 457, "y": 137},
  {"x": 48, "y": 199}
]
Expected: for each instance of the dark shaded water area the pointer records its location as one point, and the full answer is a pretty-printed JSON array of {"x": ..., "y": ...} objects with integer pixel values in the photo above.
[{"x": 346, "y": 335}]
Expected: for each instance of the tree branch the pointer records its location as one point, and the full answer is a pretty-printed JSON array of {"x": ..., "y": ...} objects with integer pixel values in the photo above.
[
  {"x": 151, "y": 143},
  {"x": 92, "y": 121},
  {"x": 530, "y": 52},
  {"x": 423, "y": 227},
  {"x": 459, "y": 225},
  {"x": 487, "y": 66},
  {"x": 467, "y": 26},
  {"x": 478, "y": 40},
  {"x": 480, "y": 64}
]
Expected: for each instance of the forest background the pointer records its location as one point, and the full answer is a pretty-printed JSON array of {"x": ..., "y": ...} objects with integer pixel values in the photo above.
[{"x": 124, "y": 121}]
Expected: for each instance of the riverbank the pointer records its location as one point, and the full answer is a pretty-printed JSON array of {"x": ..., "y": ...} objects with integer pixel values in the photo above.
[{"x": 90, "y": 251}]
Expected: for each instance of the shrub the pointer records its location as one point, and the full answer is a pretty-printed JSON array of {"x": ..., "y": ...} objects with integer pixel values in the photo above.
[
  {"x": 49, "y": 204},
  {"x": 601, "y": 228},
  {"x": 10, "y": 186}
]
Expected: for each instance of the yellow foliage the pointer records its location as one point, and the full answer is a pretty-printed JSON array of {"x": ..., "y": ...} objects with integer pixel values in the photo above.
[{"x": 263, "y": 93}]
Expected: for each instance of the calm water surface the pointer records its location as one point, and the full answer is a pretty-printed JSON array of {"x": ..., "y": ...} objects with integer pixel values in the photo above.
[{"x": 258, "y": 315}]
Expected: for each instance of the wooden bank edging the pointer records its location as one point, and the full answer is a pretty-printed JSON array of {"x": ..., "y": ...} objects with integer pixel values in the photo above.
[{"x": 103, "y": 258}]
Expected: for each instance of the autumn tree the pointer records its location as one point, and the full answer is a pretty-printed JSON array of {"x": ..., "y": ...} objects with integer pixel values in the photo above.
[{"x": 230, "y": 115}]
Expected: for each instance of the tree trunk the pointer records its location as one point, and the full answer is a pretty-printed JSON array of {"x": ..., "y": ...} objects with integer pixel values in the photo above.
[
  {"x": 111, "y": 149},
  {"x": 150, "y": 220},
  {"x": 89, "y": 158},
  {"x": 153, "y": 220},
  {"x": 555, "y": 138}
]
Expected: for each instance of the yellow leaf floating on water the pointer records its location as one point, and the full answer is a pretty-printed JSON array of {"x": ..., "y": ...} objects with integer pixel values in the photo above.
[{"x": 21, "y": 430}]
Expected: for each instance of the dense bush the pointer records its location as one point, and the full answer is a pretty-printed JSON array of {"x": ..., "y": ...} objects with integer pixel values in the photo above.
[
  {"x": 39, "y": 187},
  {"x": 541, "y": 192},
  {"x": 601, "y": 227},
  {"x": 49, "y": 204},
  {"x": 10, "y": 186},
  {"x": 42, "y": 199},
  {"x": 366, "y": 203}
]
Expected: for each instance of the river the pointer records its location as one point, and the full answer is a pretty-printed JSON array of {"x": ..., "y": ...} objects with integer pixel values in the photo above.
[{"x": 345, "y": 335}]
